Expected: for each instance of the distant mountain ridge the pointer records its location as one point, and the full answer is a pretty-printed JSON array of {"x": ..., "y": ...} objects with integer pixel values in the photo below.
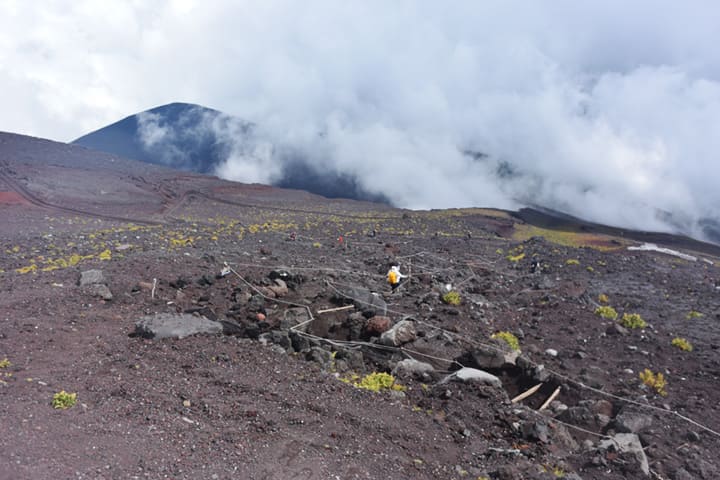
[{"x": 195, "y": 138}]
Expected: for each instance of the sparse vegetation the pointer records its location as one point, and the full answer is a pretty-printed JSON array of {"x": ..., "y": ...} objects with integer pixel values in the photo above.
[
  {"x": 64, "y": 400},
  {"x": 451, "y": 298},
  {"x": 5, "y": 363},
  {"x": 694, "y": 314},
  {"x": 375, "y": 382},
  {"x": 572, "y": 261},
  {"x": 607, "y": 312},
  {"x": 682, "y": 344},
  {"x": 633, "y": 320},
  {"x": 602, "y": 298},
  {"x": 511, "y": 340},
  {"x": 516, "y": 258},
  {"x": 656, "y": 381}
]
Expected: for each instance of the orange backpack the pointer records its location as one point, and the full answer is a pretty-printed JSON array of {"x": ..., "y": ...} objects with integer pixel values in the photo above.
[{"x": 392, "y": 277}]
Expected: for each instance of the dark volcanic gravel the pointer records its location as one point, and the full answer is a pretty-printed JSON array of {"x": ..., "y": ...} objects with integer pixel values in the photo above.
[{"x": 263, "y": 402}]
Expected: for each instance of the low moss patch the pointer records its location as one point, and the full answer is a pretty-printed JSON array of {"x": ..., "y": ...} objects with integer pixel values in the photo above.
[{"x": 511, "y": 340}]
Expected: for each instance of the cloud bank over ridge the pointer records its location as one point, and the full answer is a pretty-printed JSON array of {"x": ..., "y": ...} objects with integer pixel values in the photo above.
[{"x": 604, "y": 110}]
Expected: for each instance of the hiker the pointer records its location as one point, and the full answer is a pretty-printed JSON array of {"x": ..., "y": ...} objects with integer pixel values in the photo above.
[{"x": 394, "y": 277}]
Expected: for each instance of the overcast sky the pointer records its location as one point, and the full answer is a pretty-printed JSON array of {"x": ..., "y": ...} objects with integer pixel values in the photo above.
[{"x": 605, "y": 109}]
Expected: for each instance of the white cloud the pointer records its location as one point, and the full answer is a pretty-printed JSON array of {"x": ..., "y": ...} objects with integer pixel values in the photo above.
[{"x": 606, "y": 109}]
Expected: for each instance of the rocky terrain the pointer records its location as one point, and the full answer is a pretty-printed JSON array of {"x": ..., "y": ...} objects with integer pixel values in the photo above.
[{"x": 217, "y": 330}]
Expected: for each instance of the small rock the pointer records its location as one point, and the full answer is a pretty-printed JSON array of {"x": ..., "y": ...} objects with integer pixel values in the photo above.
[
  {"x": 467, "y": 375},
  {"x": 551, "y": 352},
  {"x": 487, "y": 358},
  {"x": 293, "y": 317},
  {"x": 682, "y": 474},
  {"x": 412, "y": 367},
  {"x": 260, "y": 317},
  {"x": 617, "y": 329},
  {"x": 319, "y": 355},
  {"x": 101, "y": 291},
  {"x": 377, "y": 325},
  {"x": 280, "y": 288},
  {"x": 693, "y": 436},
  {"x": 538, "y": 431}
]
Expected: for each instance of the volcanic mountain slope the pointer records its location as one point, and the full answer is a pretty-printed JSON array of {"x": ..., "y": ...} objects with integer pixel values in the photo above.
[
  {"x": 285, "y": 388},
  {"x": 199, "y": 139}
]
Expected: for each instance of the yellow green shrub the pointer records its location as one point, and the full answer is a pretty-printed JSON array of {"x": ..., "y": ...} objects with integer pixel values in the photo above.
[
  {"x": 572, "y": 261},
  {"x": 655, "y": 381},
  {"x": 602, "y": 298},
  {"x": 63, "y": 400},
  {"x": 633, "y": 320},
  {"x": 693, "y": 314},
  {"x": 606, "y": 311},
  {"x": 682, "y": 344},
  {"x": 451, "y": 298}
]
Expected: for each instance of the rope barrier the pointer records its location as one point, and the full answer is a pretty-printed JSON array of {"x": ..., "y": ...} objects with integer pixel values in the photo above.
[{"x": 356, "y": 344}]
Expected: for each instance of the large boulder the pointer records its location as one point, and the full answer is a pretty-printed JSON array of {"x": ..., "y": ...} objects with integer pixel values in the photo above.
[
  {"x": 401, "y": 333},
  {"x": 169, "y": 325}
]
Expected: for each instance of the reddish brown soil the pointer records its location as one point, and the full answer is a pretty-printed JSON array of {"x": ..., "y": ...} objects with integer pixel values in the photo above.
[
  {"x": 231, "y": 407},
  {"x": 12, "y": 198}
]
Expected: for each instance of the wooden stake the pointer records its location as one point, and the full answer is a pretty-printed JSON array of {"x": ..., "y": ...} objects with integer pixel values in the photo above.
[
  {"x": 550, "y": 399},
  {"x": 527, "y": 393},
  {"x": 328, "y": 310}
]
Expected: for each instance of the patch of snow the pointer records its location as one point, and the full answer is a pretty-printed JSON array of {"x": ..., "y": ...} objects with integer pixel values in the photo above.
[{"x": 651, "y": 247}]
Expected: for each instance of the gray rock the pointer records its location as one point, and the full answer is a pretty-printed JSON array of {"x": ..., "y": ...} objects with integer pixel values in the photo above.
[
  {"x": 319, "y": 355},
  {"x": 277, "y": 337},
  {"x": 536, "y": 431},
  {"x": 369, "y": 303},
  {"x": 467, "y": 375},
  {"x": 617, "y": 329},
  {"x": 169, "y": 325},
  {"x": 401, "y": 333},
  {"x": 91, "y": 277},
  {"x": 412, "y": 367},
  {"x": 292, "y": 317},
  {"x": 280, "y": 288},
  {"x": 486, "y": 358},
  {"x": 632, "y": 422},
  {"x": 301, "y": 342},
  {"x": 102, "y": 291},
  {"x": 628, "y": 443},
  {"x": 682, "y": 474}
]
